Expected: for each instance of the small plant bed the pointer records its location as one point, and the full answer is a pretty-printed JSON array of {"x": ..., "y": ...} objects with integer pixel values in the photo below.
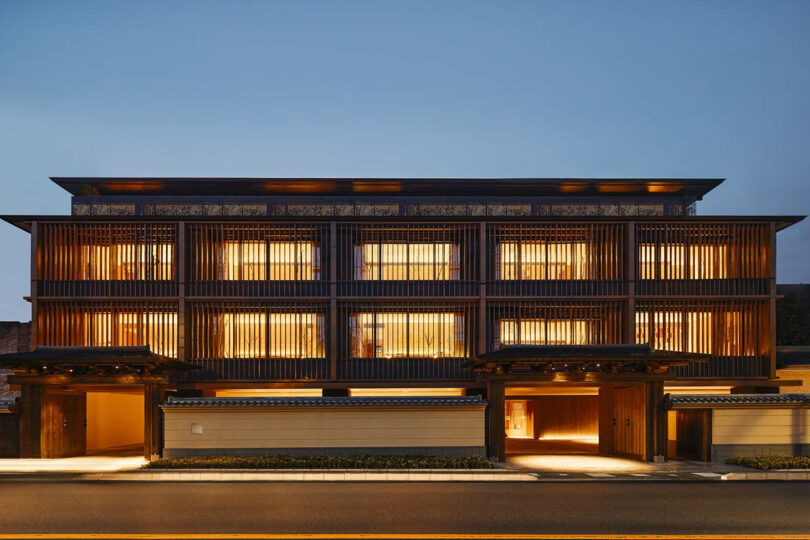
[
  {"x": 770, "y": 463},
  {"x": 321, "y": 462}
]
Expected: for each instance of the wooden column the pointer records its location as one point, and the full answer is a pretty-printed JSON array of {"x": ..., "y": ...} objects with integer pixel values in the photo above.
[
  {"x": 180, "y": 253},
  {"x": 630, "y": 311},
  {"x": 34, "y": 285},
  {"x": 482, "y": 287},
  {"x": 31, "y": 420},
  {"x": 154, "y": 394},
  {"x": 496, "y": 425},
  {"x": 772, "y": 304},
  {"x": 333, "y": 316},
  {"x": 656, "y": 422}
]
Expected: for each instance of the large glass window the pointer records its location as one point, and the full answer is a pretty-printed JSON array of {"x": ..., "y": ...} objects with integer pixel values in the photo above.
[
  {"x": 543, "y": 332},
  {"x": 290, "y": 335},
  {"x": 543, "y": 260},
  {"x": 275, "y": 261},
  {"x": 127, "y": 261},
  {"x": 678, "y": 261},
  {"x": 676, "y": 331},
  {"x": 411, "y": 335},
  {"x": 406, "y": 261},
  {"x": 128, "y": 329}
]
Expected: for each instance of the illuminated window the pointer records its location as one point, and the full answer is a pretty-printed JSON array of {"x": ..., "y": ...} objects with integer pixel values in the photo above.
[
  {"x": 676, "y": 331},
  {"x": 412, "y": 335},
  {"x": 128, "y": 261},
  {"x": 276, "y": 261},
  {"x": 129, "y": 329},
  {"x": 389, "y": 261},
  {"x": 543, "y": 332},
  {"x": 670, "y": 261},
  {"x": 291, "y": 335},
  {"x": 543, "y": 260}
]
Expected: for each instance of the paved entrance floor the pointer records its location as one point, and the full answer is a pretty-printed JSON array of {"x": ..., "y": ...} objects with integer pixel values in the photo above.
[{"x": 72, "y": 464}]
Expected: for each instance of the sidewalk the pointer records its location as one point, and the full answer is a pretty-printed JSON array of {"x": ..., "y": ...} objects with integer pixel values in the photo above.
[{"x": 569, "y": 468}]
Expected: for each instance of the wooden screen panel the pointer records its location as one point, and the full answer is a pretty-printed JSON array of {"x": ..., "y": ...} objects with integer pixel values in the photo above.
[
  {"x": 258, "y": 259},
  {"x": 106, "y": 324},
  {"x": 405, "y": 340},
  {"x": 407, "y": 259},
  {"x": 553, "y": 323},
  {"x": 107, "y": 259},
  {"x": 259, "y": 340},
  {"x": 734, "y": 332},
  {"x": 556, "y": 259},
  {"x": 703, "y": 258}
]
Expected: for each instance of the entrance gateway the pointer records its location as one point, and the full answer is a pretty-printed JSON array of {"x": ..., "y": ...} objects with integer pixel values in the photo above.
[{"x": 578, "y": 398}]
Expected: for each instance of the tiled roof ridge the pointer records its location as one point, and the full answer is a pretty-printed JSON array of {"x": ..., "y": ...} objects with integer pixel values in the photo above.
[
  {"x": 321, "y": 401},
  {"x": 742, "y": 399}
]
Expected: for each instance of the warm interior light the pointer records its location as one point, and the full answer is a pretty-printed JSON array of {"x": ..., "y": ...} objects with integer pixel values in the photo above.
[
  {"x": 291, "y": 335},
  {"x": 697, "y": 389},
  {"x": 127, "y": 262},
  {"x": 158, "y": 330},
  {"x": 414, "y": 335},
  {"x": 270, "y": 392},
  {"x": 543, "y": 332},
  {"x": 406, "y": 261},
  {"x": 260, "y": 260},
  {"x": 379, "y": 392},
  {"x": 361, "y": 186},
  {"x": 670, "y": 261},
  {"x": 543, "y": 260}
]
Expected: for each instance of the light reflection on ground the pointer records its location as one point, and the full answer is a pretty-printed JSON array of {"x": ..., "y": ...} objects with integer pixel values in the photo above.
[
  {"x": 578, "y": 463},
  {"x": 73, "y": 464}
]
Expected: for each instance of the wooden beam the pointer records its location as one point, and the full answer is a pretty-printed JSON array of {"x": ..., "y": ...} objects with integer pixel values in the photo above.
[{"x": 86, "y": 379}]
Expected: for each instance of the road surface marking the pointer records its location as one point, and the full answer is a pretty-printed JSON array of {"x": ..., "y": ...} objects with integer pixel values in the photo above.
[{"x": 177, "y": 536}]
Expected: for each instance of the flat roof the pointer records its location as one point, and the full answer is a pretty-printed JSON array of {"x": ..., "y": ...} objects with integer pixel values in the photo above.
[{"x": 532, "y": 187}]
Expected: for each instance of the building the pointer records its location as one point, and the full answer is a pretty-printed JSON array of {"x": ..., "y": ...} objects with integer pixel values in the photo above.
[{"x": 286, "y": 315}]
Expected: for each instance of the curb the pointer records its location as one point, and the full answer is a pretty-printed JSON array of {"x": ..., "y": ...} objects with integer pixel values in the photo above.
[
  {"x": 421, "y": 475},
  {"x": 314, "y": 475}
]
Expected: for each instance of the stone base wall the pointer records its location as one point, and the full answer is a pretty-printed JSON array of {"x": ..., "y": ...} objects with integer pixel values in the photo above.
[
  {"x": 721, "y": 452},
  {"x": 442, "y": 451}
]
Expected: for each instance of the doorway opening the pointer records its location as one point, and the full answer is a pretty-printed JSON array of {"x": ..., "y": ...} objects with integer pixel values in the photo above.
[
  {"x": 558, "y": 420},
  {"x": 115, "y": 422}
]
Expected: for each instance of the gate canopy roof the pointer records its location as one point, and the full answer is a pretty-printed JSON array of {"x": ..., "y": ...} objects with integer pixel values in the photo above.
[
  {"x": 581, "y": 359},
  {"x": 92, "y": 360}
]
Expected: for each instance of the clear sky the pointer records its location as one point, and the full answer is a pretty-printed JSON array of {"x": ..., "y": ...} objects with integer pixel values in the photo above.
[{"x": 382, "y": 88}]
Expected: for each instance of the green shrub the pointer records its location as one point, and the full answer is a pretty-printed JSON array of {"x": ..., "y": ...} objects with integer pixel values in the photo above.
[
  {"x": 321, "y": 462},
  {"x": 770, "y": 463}
]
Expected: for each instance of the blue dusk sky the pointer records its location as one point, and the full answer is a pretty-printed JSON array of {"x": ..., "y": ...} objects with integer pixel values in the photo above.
[{"x": 412, "y": 88}]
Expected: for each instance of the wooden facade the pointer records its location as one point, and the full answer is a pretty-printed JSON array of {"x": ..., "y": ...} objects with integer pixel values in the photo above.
[
  {"x": 391, "y": 283},
  {"x": 696, "y": 286}
]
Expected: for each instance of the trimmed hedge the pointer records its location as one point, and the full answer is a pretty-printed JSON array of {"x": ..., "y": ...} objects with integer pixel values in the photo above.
[
  {"x": 321, "y": 462},
  {"x": 770, "y": 463}
]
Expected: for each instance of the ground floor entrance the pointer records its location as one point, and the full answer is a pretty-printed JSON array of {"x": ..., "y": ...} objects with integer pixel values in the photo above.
[{"x": 569, "y": 419}]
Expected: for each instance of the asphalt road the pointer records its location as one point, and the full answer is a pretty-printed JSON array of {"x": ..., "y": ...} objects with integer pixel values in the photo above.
[{"x": 482, "y": 508}]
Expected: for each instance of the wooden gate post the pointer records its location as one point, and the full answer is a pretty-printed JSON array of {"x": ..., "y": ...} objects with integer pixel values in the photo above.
[
  {"x": 153, "y": 395},
  {"x": 656, "y": 425},
  {"x": 496, "y": 425},
  {"x": 31, "y": 420}
]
